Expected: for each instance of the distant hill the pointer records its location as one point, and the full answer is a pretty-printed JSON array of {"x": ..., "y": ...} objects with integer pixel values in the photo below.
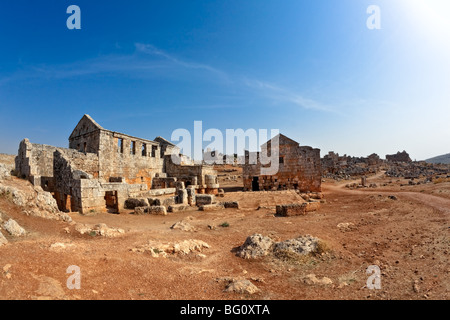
[{"x": 440, "y": 159}]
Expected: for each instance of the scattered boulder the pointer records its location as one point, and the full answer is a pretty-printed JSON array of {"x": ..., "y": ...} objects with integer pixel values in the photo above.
[
  {"x": 181, "y": 248},
  {"x": 255, "y": 246},
  {"x": 183, "y": 225},
  {"x": 393, "y": 198},
  {"x": 242, "y": 287},
  {"x": 230, "y": 204},
  {"x": 155, "y": 210},
  {"x": 311, "y": 279},
  {"x": 301, "y": 245},
  {"x": 14, "y": 228},
  {"x": 99, "y": 230},
  {"x": 346, "y": 226}
]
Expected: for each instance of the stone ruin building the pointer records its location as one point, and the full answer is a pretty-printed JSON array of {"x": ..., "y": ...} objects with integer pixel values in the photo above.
[
  {"x": 399, "y": 157},
  {"x": 336, "y": 166},
  {"x": 299, "y": 168},
  {"x": 101, "y": 169}
]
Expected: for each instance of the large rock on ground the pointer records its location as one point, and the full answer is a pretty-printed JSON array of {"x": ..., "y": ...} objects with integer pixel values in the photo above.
[
  {"x": 14, "y": 228},
  {"x": 311, "y": 279},
  {"x": 300, "y": 245},
  {"x": 35, "y": 202},
  {"x": 255, "y": 246},
  {"x": 242, "y": 286},
  {"x": 183, "y": 225},
  {"x": 181, "y": 248},
  {"x": 99, "y": 230}
]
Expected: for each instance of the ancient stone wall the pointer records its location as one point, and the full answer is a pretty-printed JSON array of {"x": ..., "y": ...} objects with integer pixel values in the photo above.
[
  {"x": 34, "y": 162},
  {"x": 69, "y": 177},
  {"x": 137, "y": 161},
  {"x": 203, "y": 177},
  {"x": 299, "y": 168}
]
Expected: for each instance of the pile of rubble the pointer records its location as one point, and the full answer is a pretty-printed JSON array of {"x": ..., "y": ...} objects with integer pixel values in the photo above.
[
  {"x": 417, "y": 170},
  {"x": 346, "y": 167},
  {"x": 34, "y": 201}
]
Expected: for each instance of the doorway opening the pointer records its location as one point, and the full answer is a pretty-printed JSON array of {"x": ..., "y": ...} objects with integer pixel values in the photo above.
[
  {"x": 112, "y": 203},
  {"x": 255, "y": 184}
]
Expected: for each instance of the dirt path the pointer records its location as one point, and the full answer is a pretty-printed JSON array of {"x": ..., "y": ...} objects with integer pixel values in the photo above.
[{"x": 436, "y": 202}]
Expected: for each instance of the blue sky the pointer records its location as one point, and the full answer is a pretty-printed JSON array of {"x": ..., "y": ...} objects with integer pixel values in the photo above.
[{"x": 311, "y": 69}]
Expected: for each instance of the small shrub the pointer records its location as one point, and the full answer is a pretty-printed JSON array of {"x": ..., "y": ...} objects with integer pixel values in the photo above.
[
  {"x": 322, "y": 247},
  {"x": 225, "y": 225}
]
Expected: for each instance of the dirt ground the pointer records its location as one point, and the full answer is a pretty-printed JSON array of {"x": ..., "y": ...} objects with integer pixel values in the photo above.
[{"x": 407, "y": 238}]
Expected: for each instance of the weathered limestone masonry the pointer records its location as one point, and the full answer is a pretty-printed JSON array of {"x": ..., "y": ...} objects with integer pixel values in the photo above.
[
  {"x": 35, "y": 163},
  {"x": 202, "y": 177},
  {"x": 299, "y": 168},
  {"x": 102, "y": 169},
  {"x": 399, "y": 157}
]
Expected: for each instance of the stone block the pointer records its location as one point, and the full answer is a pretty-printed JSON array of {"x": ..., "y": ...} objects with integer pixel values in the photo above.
[
  {"x": 211, "y": 207},
  {"x": 154, "y": 201},
  {"x": 182, "y": 196},
  {"x": 155, "y": 210},
  {"x": 133, "y": 203},
  {"x": 204, "y": 199},
  {"x": 230, "y": 204},
  {"x": 297, "y": 209},
  {"x": 178, "y": 208}
]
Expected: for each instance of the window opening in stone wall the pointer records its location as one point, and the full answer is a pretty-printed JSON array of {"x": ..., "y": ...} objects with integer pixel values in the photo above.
[
  {"x": 120, "y": 145},
  {"x": 133, "y": 148},
  {"x": 144, "y": 150},
  {"x": 154, "y": 149}
]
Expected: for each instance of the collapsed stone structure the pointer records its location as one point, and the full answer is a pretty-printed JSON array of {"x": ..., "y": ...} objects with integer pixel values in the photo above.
[
  {"x": 399, "y": 157},
  {"x": 345, "y": 167},
  {"x": 101, "y": 169},
  {"x": 299, "y": 168}
]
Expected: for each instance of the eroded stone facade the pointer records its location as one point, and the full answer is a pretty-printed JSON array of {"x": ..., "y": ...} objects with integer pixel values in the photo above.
[
  {"x": 299, "y": 168},
  {"x": 101, "y": 169}
]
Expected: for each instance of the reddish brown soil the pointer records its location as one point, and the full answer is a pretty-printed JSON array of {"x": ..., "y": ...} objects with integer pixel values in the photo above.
[{"x": 407, "y": 238}]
